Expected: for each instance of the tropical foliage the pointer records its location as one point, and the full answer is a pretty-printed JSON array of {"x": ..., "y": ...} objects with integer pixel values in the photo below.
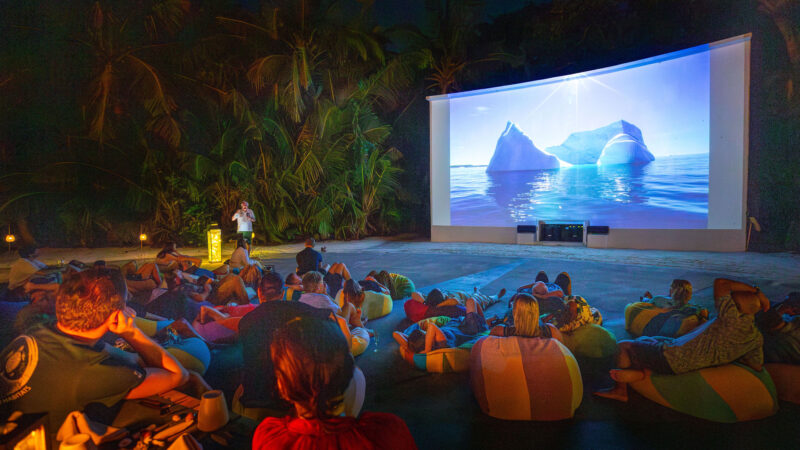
[{"x": 163, "y": 115}]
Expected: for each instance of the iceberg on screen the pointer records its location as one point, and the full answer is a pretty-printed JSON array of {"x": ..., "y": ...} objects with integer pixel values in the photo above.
[
  {"x": 617, "y": 143},
  {"x": 516, "y": 151}
]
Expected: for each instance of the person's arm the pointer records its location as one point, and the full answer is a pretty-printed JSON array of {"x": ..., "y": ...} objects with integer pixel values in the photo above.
[
  {"x": 164, "y": 372},
  {"x": 233, "y": 219}
]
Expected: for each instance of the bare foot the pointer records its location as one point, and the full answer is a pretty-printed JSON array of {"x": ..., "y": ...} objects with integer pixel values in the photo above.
[
  {"x": 501, "y": 293},
  {"x": 626, "y": 375},
  {"x": 619, "y": 392}
]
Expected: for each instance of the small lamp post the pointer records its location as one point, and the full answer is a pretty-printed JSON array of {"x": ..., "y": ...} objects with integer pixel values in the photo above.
[
  {"x": 10, "y": 238},
  {"x": 214, "y": 244}
]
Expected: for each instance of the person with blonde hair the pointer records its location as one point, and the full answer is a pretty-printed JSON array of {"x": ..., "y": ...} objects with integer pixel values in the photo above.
[
  {"x": 680, "y": 292},
  {"x": 526, "y": 323}
]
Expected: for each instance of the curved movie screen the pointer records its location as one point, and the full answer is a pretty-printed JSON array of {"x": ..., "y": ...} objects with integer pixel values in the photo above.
[{"x": 627, "y": 149}]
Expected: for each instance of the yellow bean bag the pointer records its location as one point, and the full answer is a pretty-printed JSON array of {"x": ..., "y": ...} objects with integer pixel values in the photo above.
[
  {"x": 357, "y": 339},
  {"x": 646, "y": 319},
  {"x": 517, "y": 378},
  {"x": 375, "y": 304},
  {"x": 728, "y": 394},
  {"x": 787, "y": 380}
]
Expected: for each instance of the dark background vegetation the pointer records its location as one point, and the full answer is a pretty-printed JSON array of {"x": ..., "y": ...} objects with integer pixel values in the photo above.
[{"x": 119, "y": 115}]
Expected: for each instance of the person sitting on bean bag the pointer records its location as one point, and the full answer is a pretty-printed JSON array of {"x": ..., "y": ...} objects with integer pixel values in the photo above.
[
  {"x": 351, "y": 311},
  {"x": 524, "y": 320},
  {"x": 313, "y": 368},
  {"x": 680, "y": 292},
  {"x": 730, "y": 337},
  {"x": 781, "y": 333},
  {"x": 429, "y": 337}
]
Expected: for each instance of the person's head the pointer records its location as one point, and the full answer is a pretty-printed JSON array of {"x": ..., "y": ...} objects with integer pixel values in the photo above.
[
  {"x": 352, "y": 293},
  {"x": 293, "y": 279},
  {"x": 169, "y": 247},
  {"x": 769, "y": 320},
  {"x": 241, "y": 243},
  {"x": 313, "y": 365},
  {"x": 87, "y": 300},
  {"x": 526, "y": 315},
  {"x": 310, "y": 242},
  {"x": 313, "y": 282},
  {"x": 416, "y": 341},
  {"x": 203, "y": 280},
  {"x": 680, "y": 291},
  {"x": 29, "y": 251},
  {"x": 270, "y": 287},
  {"x": 244, "y": 205},
  {"x": 434, "y": 297}
]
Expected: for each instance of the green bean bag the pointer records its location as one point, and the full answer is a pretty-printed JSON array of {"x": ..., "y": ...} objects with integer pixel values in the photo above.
[
  {"x": 591, "y": 341},
  {"x": 730, "y": 393},
  {"x": 401, "y": 286}
]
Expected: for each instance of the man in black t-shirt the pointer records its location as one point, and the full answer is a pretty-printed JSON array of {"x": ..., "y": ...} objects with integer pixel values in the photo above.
[
  {"x": 66, "y": 366},
  {"x": 255, "y": 333},
  {"x": 309, "y": 259}
]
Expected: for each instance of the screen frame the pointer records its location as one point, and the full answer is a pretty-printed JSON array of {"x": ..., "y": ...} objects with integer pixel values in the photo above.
[{"x": 729, "y": 98}]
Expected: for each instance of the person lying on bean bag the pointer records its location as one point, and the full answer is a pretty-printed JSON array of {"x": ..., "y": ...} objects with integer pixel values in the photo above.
[
  {"x": 450, "y": 304},
  {"x": 560, "y": 287},
  {"x": 781, "y": 334},
  {"x": 732, "y": 336},
  {"x": 427, "y": 336}
]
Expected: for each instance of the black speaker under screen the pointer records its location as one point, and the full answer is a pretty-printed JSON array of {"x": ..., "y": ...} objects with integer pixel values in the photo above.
[{"x": 597, "y": 229}]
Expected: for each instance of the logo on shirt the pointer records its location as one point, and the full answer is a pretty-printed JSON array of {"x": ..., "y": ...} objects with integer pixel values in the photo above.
[{"x": 18, "y": 361}]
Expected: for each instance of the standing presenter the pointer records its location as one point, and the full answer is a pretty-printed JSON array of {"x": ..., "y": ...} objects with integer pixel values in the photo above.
[{"x": 245, "y": 217}]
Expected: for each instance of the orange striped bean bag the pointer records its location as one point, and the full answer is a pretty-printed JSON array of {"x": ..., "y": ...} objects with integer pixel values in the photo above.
[
  {"x": 730, "y": 393},
  {"x": 516, "y": 378}
]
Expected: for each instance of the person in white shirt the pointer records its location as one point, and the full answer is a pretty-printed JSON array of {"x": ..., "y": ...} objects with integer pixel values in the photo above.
[
  {"x": 241, "y": 257},
  {"x": 27, "y": 267},
  {"x": 245, "y": 217}
]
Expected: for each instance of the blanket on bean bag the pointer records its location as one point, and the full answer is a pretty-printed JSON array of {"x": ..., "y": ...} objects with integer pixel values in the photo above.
[
  {"x": 729, "y": 393},
  {"x": 646, "y": 319},
  {"x": 569, "y": 313}
]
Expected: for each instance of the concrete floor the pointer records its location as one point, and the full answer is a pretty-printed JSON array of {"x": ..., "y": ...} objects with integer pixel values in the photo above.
[{"x": 440, "y": 409}]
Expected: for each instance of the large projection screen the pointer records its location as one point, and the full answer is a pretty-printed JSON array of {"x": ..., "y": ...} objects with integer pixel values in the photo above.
[{"x": 654, "y": 149}]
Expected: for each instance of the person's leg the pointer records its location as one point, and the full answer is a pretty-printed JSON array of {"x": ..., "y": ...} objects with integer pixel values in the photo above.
[
  {"x": 222, "y": 270},
  {"x": 128, "y": 268},
  {"x": 541, "y": 276},
  {"x": 149, "y": 270},
  {"x": 232, "y": 287},
  {"x": 623, "y": 374},
  {"x": 137, "y": 286}
]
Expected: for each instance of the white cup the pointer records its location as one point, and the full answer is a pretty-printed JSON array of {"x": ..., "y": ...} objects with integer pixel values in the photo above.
[
  {"x": 213, "y": 412},
  {"x": 80, "y": 441}
]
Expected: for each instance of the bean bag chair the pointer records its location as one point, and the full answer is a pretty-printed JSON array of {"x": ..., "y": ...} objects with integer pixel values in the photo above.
[
  {"x": 443, "y": 360},
  {"x": 517, "y": 378},
  {"x": 375, "y": 304},
  {"x": 730, "y": 393},
  {"x": 192, "y": 353},
  {"x": 591, "y": 341},
  {"x": 416, "y": 311},
  {"x": 787, "y": 380},
  {"x": 401, "y": 286},
  {"x": 646, "y": 319}
]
